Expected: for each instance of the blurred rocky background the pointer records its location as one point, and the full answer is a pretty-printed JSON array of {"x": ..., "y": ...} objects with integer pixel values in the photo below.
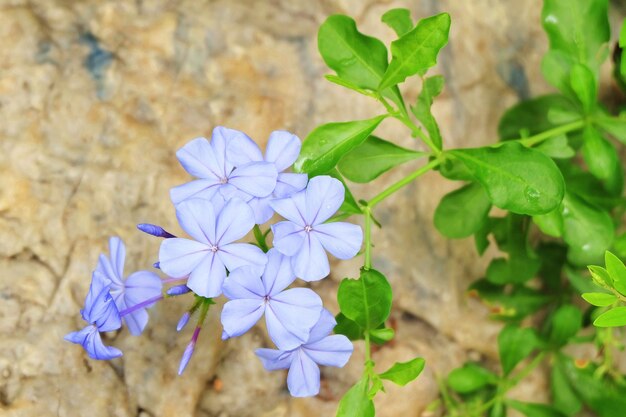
[{"x": 96, "y": 97}]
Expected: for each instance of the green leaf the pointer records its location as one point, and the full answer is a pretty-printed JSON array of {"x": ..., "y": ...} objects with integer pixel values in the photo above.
[
  {"x": 602, "y": 160},
  {"x": 619, "y": 245},
  {"x": 612, "y": 318},
  {"x": 616, "y": 126},
  {"x": 555, "y": 68},
  {"x": 469, "y": 378},
  {"x": 578, "y": 28},
  {"x": 359, "y": 60},
  {"x": 383, "y": 335},
  {"x": 586, "y": 229},
  {"x": 599, "y": 299},
  {"x": 372, "y": 158},
  {"x": 328, "y": 143},
  {"x": 556, "y": 147},
  {"x": 356, "y": 402},
  {"x": 584, "y": 85},
  {"x": 399, "y": 20},
  {"x": 515, "y": 344},
  {"x": 516, "y": 178},
  {"x": 617, "y": 271},
  {"x": 565, "y": 323},
  {"x": 417, "y": 50},
  {"x": 600, "y": 276},
  {"x": 366, "y": 300},
  {"x": 401, "y": 373},
  {"x": 462, "y": 212},
  {"x": 534, "y": 409},
  {"x": 431, "y": 88},
  {"x": 550, "y": 223},
  {"x": 514, "y": 305},
  {"x": 564, "y": 398},
  {"x": 348, "y": 328},
  {"x": 349, "y": 205},
  {"x": 345, "y": 83}
]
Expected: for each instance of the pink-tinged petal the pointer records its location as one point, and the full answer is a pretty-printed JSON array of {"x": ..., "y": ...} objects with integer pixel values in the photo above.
[
  {"x": 333, "y": 350},
  {"x": 178, "y": 256},
  {"x": 323, "y": 327},
  {"x": 261, "y": 208},
  {"x": 208, "y": 276},
  {"x": 197, "y": 217},
  {"x": 278, "y": 274},
  {"x": 303, "y": 379},
  {"x": 141, "y": 286},
  {"x": 288, "y": 237},
  {"x": 289, "y": 183},
  {"x": 255, "y": 178},
  {"x": 236, "y": 255},
  {"x": 310, "y": 263},
  {"x": 324, "y": 196},
  {"x": 290, "y": 316},
  {"x": 117, "y": 251},
  {"x": 292, "y": 208},
  {"x": 220, "y": 138},
  {"x": 341, "y": 239},
  {"x": 136, "y": 321},
  {"x": 234, "y": 221},
  {"x": 241, "y": 150},
  {"x": 204, "y": 189},
  {"x": 244, "y": 282},
  {"x": 238, "y": 316},
  {"x": 282, "y": 149},
  {"x": 198, "y": 159},
  {"x": 273, "y": 359}
]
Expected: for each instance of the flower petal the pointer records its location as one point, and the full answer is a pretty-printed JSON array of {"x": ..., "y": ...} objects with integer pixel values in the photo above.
[
  {"x": 292, "y": 208},
  {"x": 278, "y": 273},
  {"x": 323, "y": 327},
  {"x": 220, "y": 138},
  {"x": 341, "y": 239},
  {"x": 136, "y": 321},
  {"x": 179, "y": 256},
  {"x": 288, "y": 237},
  {"x": 198, "y": 159},
  {"x": 235, "y": 255},
  {"x": 89, "y": 338},
  {"x": 333, "y": 350},
  {"x": 261, "y": 208},
  {"x": 238, "y": 316},
  {"x": 273, "y": 359},
  {"x": 288, "y": 183},
  {"x": 197, "y": 217},
  {"x": 303, "y": 379},
  {"x": 290, "y": 316},
  {"x": 324, "y": 196},
  {"x": 241, "y": 150},
  {"x": 282, "y": 149},
  {"x": 244, "y": 282},
  {"x": 255, "y": 178},
  {"x": 234, "y": 221},
  {"x": 117, "y": 252},
  {"x": 204, "y": 189},
  {"x": 311, "y": 262},
  {"x": 208, "y": 276},
  {"x": 141, "y": 286}
]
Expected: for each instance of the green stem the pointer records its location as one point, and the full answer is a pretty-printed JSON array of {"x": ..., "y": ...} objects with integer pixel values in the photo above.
[
  {"x": 540, "y": 137},
  {"x": 404, "y": 181},
  {"x": 260, "y": 238},
  {"x": 368, "y": 238},
  {"x": 204, "y": 309}
]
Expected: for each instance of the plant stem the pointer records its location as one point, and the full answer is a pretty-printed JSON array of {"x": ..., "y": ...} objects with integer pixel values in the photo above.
[
  {"x": 404, "y": 181},
  {"x": 260, "y": 238},
  {"x": 547, "y": 134},
  {"x": 368, "y": 238}
]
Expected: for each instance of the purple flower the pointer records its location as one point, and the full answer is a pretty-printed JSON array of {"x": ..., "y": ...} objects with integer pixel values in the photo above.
[
  {"x": 206, "y": 258},
  {"x": 129, "y": 292},
  {"x": 207, "y": 161},
  {"x": 282, "y": 150},
  {"x": 303, "y": 379},
  {"x": 102, "y": 315},
  {"x": 305, "y": 236},
  {"x": 289, "y": 314}
]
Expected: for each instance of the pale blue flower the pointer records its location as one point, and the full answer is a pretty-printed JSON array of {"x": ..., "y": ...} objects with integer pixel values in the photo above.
[
  {"x": 305, "y": 237},
  {"x": 206, "y": 258},
  {"x": 303, "y": 379},
  {"x": 289, "y": 314}
]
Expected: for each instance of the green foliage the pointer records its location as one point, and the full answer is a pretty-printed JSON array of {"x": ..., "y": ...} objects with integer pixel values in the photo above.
[
  {"x": 514, "y": 345},
  {"x": 367, "y": 300},
  {"x": 401, "y": 373},
  {"x": 431, "y": 88},
  {"x": 356, "y": 402},
  {"x": 534, "y": 410},
  {"x": 470, "y": 377},
  {"x": 462, "y": 212},
  {"x": 399, "y": 20},
  {"x": 374, "y": 157}
]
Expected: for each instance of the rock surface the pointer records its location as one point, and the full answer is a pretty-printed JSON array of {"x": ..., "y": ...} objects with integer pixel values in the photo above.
[{"x": 95, "y": 98}]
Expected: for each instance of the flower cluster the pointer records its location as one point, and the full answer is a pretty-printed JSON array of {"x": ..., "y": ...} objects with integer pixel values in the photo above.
[{"x": 238, "y": 189}]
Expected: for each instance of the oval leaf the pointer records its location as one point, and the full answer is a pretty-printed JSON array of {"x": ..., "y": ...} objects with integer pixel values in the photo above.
[
  {"x": 515, "y": 344},
  {"x": 402, "y": 373},
  {"x": 366, "y": 300},
  {"x": 399, "y": 20},
  {"x": 462, "y": 212},
  {"x": 356, "y": 402},
  {"x": 470, "y": 377},
  {"x": 599, "y": 299},
  {"x": 372, "y": 158},
  {"x": 534, "y": 409},
  {"x": 328, "y": 143},
  {"x": 612, "y": 318},
  {"x": 516, "y": 178}
]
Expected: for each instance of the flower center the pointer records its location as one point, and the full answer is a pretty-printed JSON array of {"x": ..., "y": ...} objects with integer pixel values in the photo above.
[
  {"x": 308, "y": 228},
  {"x": 223, "y": 180},
  {"x": 214, "y": 248}
]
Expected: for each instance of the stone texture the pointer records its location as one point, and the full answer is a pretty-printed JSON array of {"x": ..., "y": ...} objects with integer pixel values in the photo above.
[{"x": 96, "y": 96}]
